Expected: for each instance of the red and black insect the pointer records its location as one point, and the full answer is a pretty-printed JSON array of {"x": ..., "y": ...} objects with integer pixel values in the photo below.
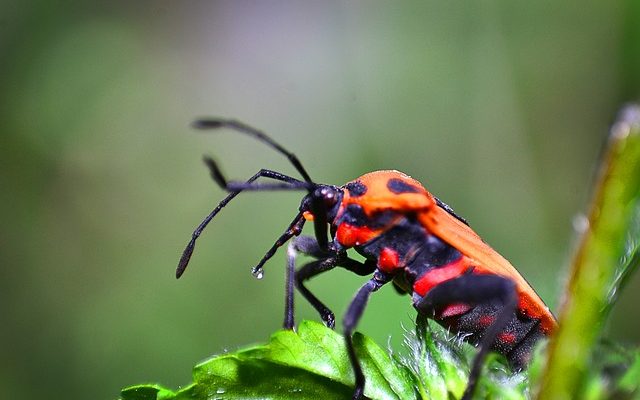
[{"x": 409, "y": 238}]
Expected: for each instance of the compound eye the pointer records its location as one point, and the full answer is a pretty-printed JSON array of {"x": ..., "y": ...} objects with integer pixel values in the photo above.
[{"x": 329, "y": 196}]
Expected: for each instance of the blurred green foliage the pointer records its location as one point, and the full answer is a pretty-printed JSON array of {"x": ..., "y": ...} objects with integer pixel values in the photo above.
[{"x": 499, "y": 108}]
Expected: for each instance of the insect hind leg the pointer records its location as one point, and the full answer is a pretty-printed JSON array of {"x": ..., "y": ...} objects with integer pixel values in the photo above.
[{"x": 475, "y": 290}]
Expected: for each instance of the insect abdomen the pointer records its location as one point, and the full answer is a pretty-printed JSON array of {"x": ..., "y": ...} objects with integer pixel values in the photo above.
[{"x": 515, "y": 341}]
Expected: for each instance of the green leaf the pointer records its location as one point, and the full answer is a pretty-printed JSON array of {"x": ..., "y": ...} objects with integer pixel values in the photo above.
[
  {"x": 306, "y": 364},
  {"x": 239, "y": 377},
  {"x": 386, "y": 378},
  {"x": 606, "y": 256},
  {"x": 313, "y": 348},
  {"x": 313, "y": 362},
  {"x": 440, "y": 366},
  {"x": 147, "y": 392}
]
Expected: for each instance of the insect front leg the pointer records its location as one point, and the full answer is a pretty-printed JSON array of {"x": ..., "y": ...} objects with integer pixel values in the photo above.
[
  {"x": 325, "y": 261},
  {"x": 474, "y": 290},
  {"x": 308, "y": 271}
]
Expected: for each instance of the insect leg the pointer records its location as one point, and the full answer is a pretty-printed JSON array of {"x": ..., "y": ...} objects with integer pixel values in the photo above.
[
  {"x": 357, "y": 267},
  {"x": 325, "y": 262},
  {"x": 294, "y": 229},
  {"x": 475, "y": 290},
  {"x": 289, "y": 317},
  {"x": 308, "y": 271},
  {"x": 351, "y": 318}
]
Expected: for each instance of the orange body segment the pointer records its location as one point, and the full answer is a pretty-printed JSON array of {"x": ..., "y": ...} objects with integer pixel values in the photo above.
[{"x": 379, "y": 197}]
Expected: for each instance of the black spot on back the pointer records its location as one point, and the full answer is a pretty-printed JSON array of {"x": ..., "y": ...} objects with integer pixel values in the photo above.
[
  {"x": 398, "y": 186},
  {"x": 356, "y": 188}
]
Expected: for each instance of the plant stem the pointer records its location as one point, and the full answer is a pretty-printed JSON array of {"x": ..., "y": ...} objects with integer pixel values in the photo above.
[{"x": 595, "y": 263}]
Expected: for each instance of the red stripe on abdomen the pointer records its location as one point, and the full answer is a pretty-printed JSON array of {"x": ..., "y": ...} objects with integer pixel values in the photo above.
[{"x": 437, "y": 275}]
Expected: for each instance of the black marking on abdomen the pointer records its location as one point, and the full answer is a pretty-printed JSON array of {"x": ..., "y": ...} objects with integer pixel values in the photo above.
[{"x": 524, "y": 332}]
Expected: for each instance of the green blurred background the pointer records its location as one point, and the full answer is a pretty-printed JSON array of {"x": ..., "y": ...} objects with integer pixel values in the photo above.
[{"x": 499, "y": 108}]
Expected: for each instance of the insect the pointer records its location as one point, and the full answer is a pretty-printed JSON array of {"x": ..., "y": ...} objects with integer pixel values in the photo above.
[{"x": 408, "y": 238}]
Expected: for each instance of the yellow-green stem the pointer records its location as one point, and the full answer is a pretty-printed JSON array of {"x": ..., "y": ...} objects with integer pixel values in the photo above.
[{"x": 594, "y": 265}]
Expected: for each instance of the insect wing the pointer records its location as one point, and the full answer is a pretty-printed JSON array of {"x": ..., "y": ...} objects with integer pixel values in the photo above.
[{"x": 452, "y": 231}]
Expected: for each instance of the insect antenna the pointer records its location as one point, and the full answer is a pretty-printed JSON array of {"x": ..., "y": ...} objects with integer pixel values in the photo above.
[
  {"x": 234, "y": 188},
  {"x": 222, "y": 182},
  {"x": 318, "y": 207},
  {"x": 215, "y": 123}
]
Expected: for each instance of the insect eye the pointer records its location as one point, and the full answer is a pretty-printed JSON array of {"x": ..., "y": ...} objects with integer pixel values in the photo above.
[
  {"x": 330, "y": 199},
  {"x": 329, "y": 196}
]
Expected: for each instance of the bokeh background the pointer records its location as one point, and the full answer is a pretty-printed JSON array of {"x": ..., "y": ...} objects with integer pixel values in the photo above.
[{"x": 499, "y": 108}]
